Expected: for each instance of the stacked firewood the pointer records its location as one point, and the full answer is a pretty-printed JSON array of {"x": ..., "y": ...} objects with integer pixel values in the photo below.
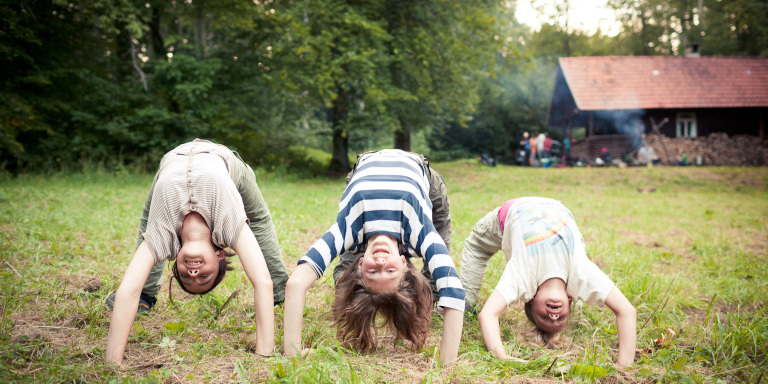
[{"x": 715, "y": 149}]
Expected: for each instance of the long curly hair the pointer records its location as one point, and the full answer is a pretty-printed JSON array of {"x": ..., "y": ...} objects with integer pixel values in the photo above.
[{"x": 407, "y": 311}]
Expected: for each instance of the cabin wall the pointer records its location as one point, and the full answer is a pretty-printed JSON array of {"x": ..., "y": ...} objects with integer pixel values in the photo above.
[{"x": 733, "y": 121}]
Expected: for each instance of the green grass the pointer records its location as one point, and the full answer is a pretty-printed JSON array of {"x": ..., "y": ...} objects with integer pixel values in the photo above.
[{"x": 691, "y": 256}]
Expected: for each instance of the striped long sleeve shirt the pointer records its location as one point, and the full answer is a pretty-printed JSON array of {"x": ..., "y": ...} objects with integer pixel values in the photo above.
[{"x": 389, "y": 193}]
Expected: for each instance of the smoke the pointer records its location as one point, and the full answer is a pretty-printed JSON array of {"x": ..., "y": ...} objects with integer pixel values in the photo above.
[{"x": 627, "y": 121}]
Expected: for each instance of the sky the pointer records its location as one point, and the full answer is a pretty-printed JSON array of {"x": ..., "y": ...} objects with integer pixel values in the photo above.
[{"x": 586, "y": 15}]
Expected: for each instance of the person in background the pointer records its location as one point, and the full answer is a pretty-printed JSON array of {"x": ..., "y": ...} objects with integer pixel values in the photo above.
[
  {"x": 605, "y": 159},
  {"x": 547, "y": 145},
  {"x": 546, "y": 153},
  {"x": 646, "y": 154},
  {"x": 539, "y": 141},
  {"x": 525, "y": 147}
]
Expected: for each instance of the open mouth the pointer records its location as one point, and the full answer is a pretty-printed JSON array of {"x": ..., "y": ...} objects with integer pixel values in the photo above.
[
  {"x": 555, "y": 307},
  {"x": 193, "y": 264}
]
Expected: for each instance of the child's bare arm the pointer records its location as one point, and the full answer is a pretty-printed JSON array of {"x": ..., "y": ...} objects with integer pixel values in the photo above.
[
  {"x": 255, "y": 267},
  {"x": 626, "y": 323},
  {"x": 489, "y": 324},
  {"x": 452, "y": 326},
  {"x": 295, "y": 295},
  {"x": 127, "y": 303}
]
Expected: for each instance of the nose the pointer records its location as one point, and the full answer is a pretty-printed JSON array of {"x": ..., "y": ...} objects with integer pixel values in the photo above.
[
  {"x": 193, "y": 272},
  {"x": 379, "y": 260},
  {"x": 554, "y": 316}
]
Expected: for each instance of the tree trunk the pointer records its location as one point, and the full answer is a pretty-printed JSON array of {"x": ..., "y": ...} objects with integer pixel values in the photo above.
[
  {"x": 403, "y": 135},
  {"x": 340, "y": 160},
  {"x": 158, "y": 46},
  {"x": 644, "y": 34}
]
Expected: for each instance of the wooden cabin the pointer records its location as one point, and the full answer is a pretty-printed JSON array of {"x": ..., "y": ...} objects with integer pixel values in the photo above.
[{"x": 615, "y": 99}]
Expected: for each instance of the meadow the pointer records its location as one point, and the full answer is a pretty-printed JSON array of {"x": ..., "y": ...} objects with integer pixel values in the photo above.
[{"x": 687, "y": 246}]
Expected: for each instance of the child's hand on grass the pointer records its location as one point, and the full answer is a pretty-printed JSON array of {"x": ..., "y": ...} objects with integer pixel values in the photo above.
[
  {"x": 515, "y": 359},
  {"x": 303, "y": 353},
  {"x": 501, "y": 354}
]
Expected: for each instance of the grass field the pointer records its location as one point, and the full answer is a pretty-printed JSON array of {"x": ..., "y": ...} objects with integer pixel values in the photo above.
[{"x": 692, "y": 257}]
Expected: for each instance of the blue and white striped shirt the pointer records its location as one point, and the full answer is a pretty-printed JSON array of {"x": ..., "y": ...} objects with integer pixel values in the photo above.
[{"x": 389, "y": 193}]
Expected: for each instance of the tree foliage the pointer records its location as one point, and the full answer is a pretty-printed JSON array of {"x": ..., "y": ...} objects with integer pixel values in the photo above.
[
  {"x": 123, "y": 81},
  {"x": 719, "y": 27}
]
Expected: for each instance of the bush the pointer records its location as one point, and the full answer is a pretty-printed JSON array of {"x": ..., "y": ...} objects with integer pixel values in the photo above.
[{"x": 308, "y": 162}]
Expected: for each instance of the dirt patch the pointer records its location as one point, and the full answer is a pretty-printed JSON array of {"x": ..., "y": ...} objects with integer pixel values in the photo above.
[
  {"x": 680, "y": 247},
  {"x": 62, "y": 333},
  {"x": 76, "y": 283},
  {"x": 759, "y": 249},
  {"x": 8, "y": 229},
  {"x": 640, "y": 239}
]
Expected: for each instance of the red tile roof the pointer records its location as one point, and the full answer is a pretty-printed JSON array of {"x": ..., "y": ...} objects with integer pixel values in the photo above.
[{"x": 643, "y": 82}]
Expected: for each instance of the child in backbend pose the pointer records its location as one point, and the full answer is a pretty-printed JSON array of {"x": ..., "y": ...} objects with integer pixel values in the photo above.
[
  {"x": 204, "y": 199},
  {"x": 385, "y": 214},
  {"x": 547, "y": 267}
]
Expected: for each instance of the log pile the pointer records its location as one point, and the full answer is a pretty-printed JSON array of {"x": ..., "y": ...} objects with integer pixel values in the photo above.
[{"x": 715, "y": 149}]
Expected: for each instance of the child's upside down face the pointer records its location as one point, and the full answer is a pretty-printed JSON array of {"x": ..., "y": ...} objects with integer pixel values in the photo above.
[
  {"x": 198, "y": 265},
  {"x": 551, "y": 306},
  {"x": 382, "y": 265}
]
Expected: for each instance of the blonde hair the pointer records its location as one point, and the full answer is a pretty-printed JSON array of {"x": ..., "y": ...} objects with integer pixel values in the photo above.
[{"x": 538, "y": 337}]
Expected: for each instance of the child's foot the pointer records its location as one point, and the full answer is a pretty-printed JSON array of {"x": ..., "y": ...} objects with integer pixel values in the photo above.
[{"x": 146, "y": 302}]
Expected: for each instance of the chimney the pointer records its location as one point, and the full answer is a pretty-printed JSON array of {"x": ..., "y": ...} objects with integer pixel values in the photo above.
[{"x": 692, "y": 51}]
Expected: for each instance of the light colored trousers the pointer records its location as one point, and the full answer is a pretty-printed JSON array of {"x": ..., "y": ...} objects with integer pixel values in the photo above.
[{"x": 484, "y": 241}]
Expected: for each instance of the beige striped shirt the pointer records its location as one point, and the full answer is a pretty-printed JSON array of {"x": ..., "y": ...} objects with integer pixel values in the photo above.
[{"x": 194, "y": 177}]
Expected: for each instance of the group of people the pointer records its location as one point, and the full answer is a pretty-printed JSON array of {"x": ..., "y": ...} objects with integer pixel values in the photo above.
[
  {"x": 204, "y": 203},
  {"x": 538, "y": 150}
]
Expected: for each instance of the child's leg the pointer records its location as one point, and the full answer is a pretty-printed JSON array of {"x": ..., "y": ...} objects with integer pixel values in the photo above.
[
  {"x": 261, "y": 225},
  {"x": 155, "y": 279},
  {"x": 441, "y": 206},
  {"x": 481, "y": 244}
]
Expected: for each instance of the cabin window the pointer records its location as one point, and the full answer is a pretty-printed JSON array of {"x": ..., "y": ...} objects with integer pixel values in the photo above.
[{"x": 686, "y": 125}]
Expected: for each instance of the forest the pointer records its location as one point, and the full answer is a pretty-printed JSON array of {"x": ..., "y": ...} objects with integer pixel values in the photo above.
[{"x": 306, "y": 85}]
